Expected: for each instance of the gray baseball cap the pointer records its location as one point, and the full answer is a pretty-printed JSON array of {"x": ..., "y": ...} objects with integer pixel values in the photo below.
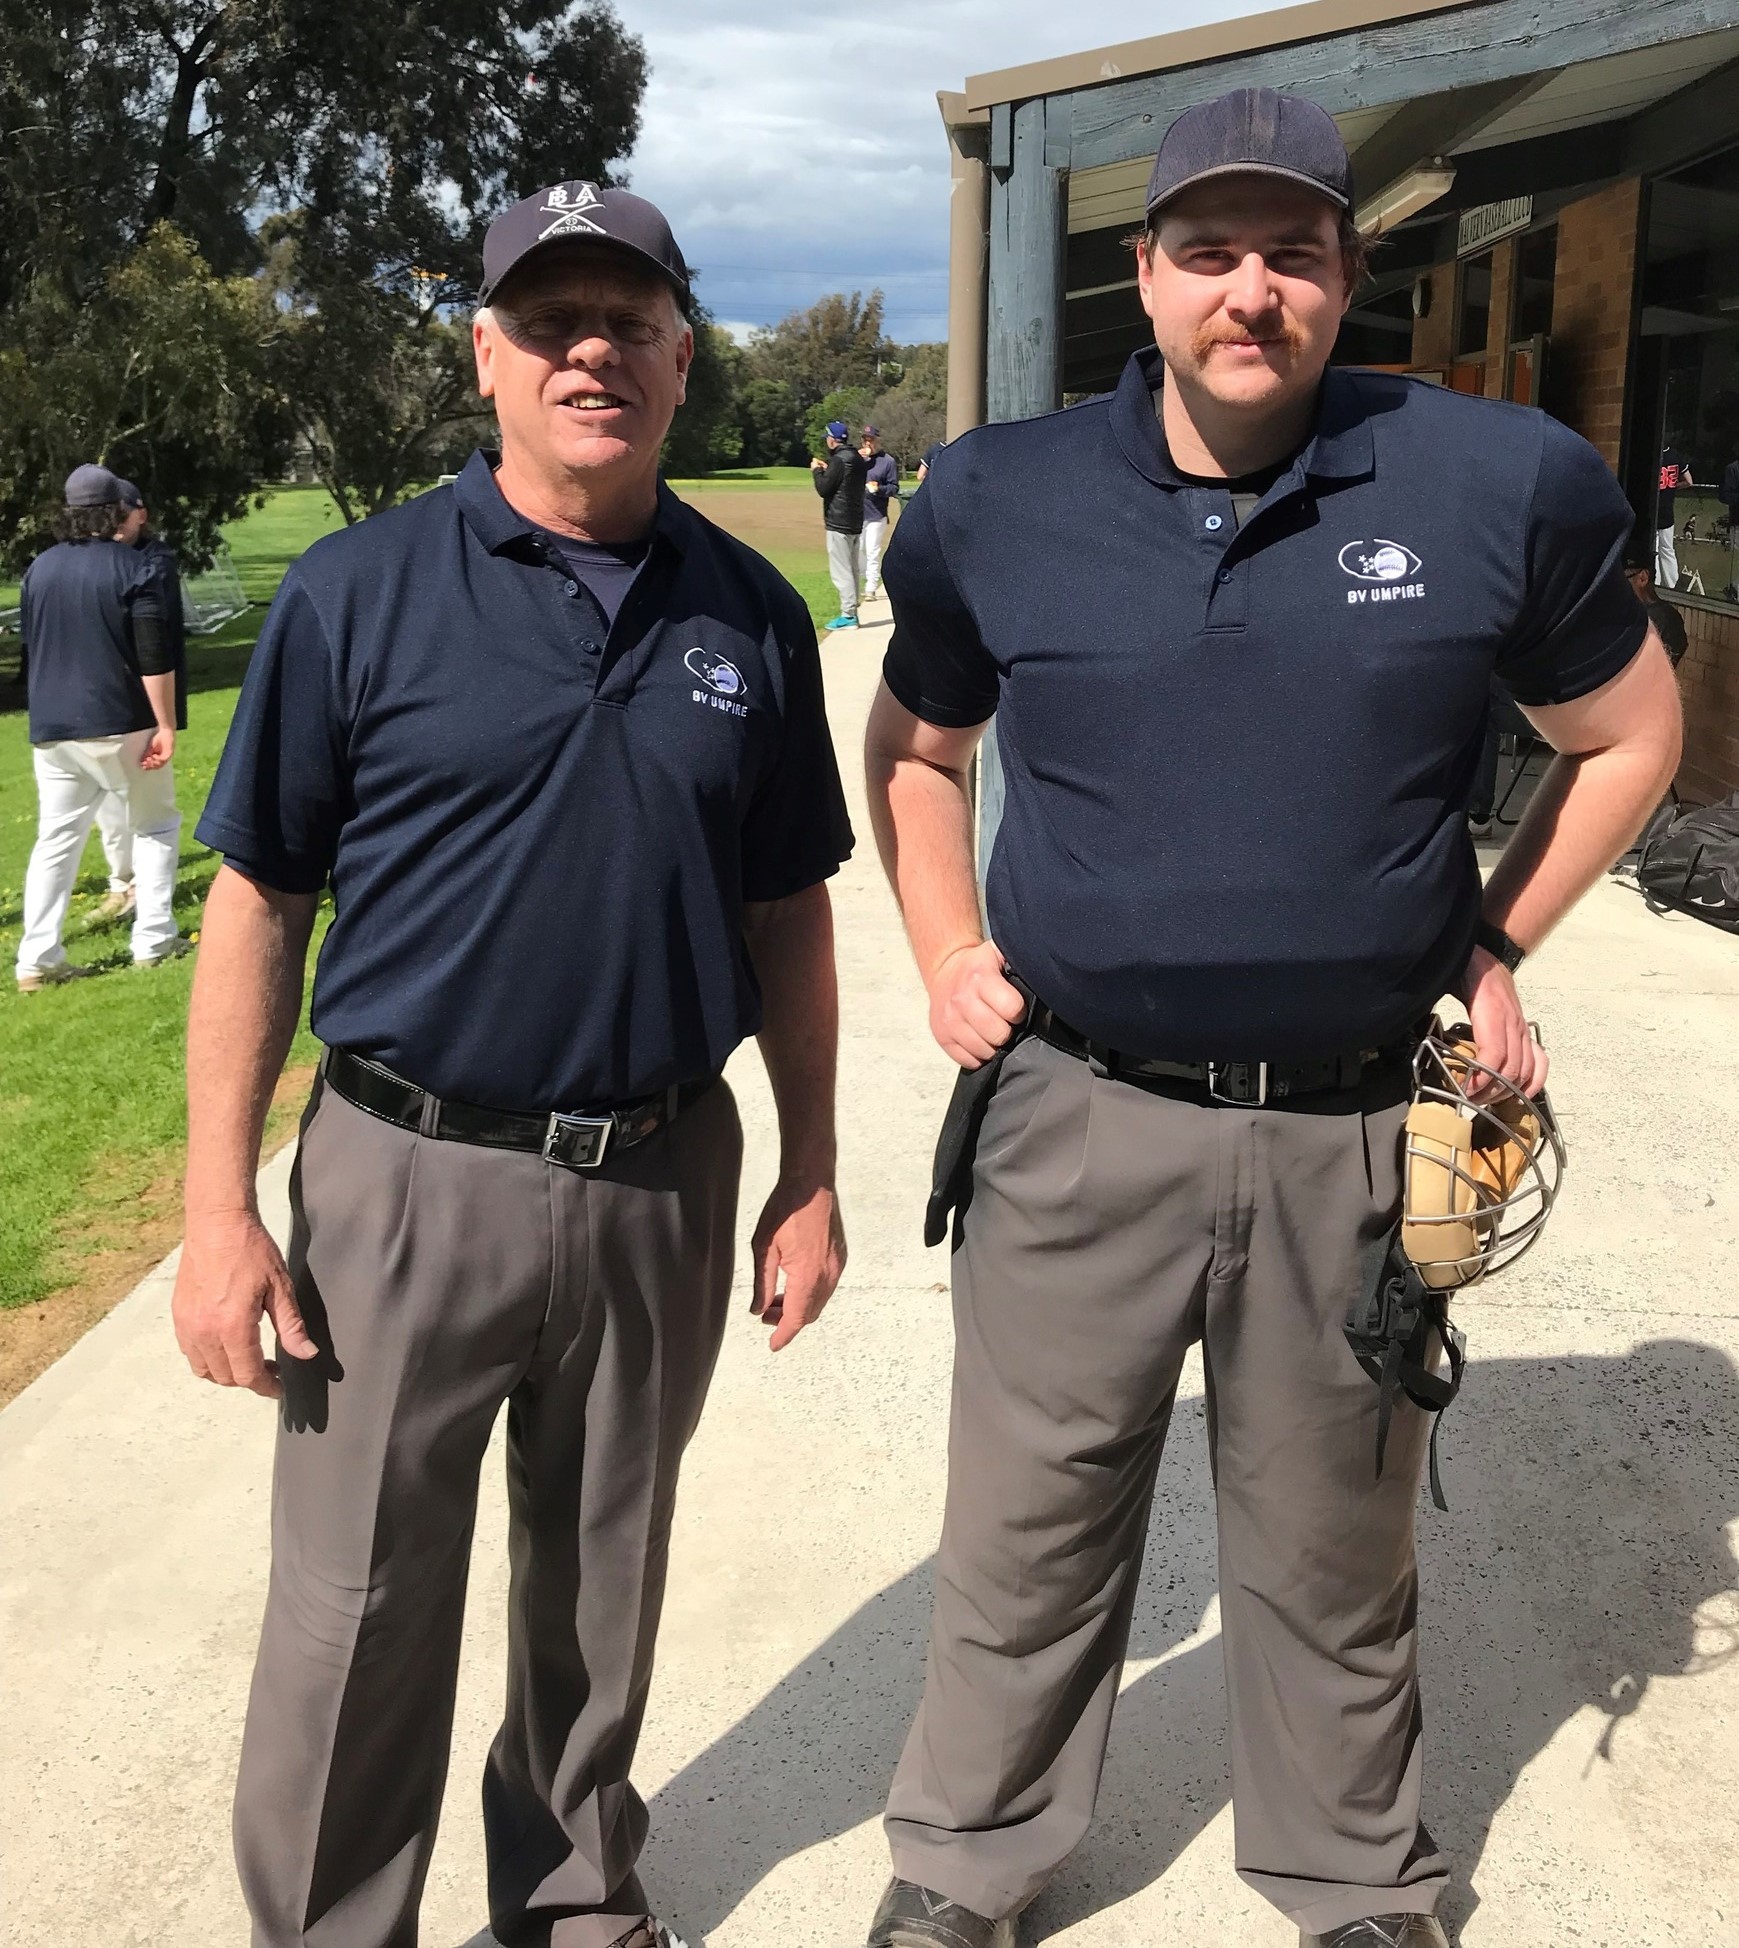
[
  {"x": 579, "y": 213},
  {"x": 90, "y": 486},
  {"x": 1253, "y": 131}
]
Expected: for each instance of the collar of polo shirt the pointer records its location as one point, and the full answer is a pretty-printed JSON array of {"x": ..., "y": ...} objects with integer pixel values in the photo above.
[
  {"x": 1340, "y": 445},
  {"x": 497, "y": 523}
]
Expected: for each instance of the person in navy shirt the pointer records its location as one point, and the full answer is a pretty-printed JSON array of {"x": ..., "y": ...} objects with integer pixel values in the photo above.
[
  {"x": 881, "y": 488},
  {"x": 556, "y": 747},
  {"x": 1238, "y": 697},
  {"x": 99, "y": 667}
]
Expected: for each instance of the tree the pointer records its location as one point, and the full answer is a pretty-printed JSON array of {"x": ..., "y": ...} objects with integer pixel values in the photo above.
[
  {"x": 772, "y": 434},
  {"x": 707, "y": 432},
  {"x": 914, "y": 413},
  {"x": 391, "y": 133},
  {"x": 164, "y": 372},
  {"x": 849, "y": 403},
  {"x": 838, "y": 341}
]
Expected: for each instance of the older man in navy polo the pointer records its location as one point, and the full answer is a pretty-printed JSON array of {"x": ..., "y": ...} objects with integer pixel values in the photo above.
[
  {"x": 556, "y": 745},
  {"x": 1239, "y": 694}
]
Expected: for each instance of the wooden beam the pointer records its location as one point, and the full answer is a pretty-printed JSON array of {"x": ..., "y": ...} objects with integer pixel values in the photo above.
[
  {"x": 1500, "y": 41},
  {"x": 1432, "y": 126},
  {"x": 1028, "y": 235}
]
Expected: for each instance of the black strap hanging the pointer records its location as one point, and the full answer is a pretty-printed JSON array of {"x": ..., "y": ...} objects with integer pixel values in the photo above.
[{"x": 1394, "y": 1315}]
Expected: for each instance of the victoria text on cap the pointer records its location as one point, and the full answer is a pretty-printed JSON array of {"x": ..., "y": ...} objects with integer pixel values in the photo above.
[
  {"x": 578, "y": 214},
  {"x": 1253, "y": 131},
  {"x": 94, "y": 487}
]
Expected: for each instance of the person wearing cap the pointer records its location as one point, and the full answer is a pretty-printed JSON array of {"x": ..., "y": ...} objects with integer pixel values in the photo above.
[
  {"x": 839, "y": 480},
  {"x": 556, "y": 746},
  {"x": 113, "y": 826},
  {"x": 1239, "y": 694},
  {"x": 99, "y": 666},
  {"x": 881, "y": 488}
]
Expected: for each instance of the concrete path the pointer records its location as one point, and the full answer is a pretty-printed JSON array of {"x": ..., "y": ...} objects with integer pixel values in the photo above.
[{"x": 1581, "y": 1613}]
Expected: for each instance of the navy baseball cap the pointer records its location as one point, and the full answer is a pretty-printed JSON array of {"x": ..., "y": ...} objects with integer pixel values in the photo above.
[
  {"x": 97, "y": 487},
  {"x": 575, "y": 214},
  {"x": 872, "y": 432},
  {"x": 838, "y": 430},
  {"x": 1253, "y": 131},
  {"x": 129, "y": 495}
]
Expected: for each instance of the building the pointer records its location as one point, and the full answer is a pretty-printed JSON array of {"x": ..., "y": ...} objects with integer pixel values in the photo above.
[{"x": 1556, "y": 184}]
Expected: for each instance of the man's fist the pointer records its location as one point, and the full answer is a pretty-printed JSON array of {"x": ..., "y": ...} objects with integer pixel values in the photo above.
[{"x": 973, "y": 1007}]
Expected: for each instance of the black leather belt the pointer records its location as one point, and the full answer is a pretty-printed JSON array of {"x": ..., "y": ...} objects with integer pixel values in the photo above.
[
  {"x": 1248, "y": 1084},
  {"x": 575, "y": 1142}
]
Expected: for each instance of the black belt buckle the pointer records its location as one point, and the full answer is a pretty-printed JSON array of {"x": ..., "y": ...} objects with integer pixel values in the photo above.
[
  {"x": 577, "y": 1142},
  {"x": 1244, "y": 1084}
]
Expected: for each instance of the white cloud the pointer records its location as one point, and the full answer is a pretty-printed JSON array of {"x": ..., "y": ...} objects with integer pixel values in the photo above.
[{"x": 797, "y": 154}]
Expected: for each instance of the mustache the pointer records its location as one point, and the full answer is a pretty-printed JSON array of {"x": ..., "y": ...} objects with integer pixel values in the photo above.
[{"x": 1209, "y": 335}]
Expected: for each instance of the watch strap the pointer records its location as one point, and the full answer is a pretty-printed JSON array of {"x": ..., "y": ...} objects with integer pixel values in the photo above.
[{"x": 1499, "y": 945}]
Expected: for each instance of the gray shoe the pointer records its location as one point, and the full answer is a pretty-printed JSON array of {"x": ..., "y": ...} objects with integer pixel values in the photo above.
[
  {"x": 176, "y": 950},
  {"x": 57, "y": 976},
  {"x": 913, "y": 1917},
  {"x": 113, "y": 905},
  {"x": 1382, "y": 1931}
]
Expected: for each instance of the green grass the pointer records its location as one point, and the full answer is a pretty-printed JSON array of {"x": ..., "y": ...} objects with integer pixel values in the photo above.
[{"x": 92, "y": 1114}]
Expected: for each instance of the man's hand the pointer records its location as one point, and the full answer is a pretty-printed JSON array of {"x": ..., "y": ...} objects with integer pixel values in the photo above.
[
  {"x": 973, "y": 1008},
  {"x": 1501, "y": 1034},
  {"x": 817, "y": 466},
  {"x": 160, "y": 750},
  {"x": 231, "y": 1273},
  {"x": 800, "y": 1235}
]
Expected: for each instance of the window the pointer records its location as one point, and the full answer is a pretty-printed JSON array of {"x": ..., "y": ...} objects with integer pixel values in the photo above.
[
  {"x": 1473, "y": 306},
  {"x": 1535, "y": 274},
  {"x": 1687, "y": 406}
]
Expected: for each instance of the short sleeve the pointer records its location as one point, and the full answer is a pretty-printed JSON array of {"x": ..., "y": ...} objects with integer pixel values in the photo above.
[
  {"x": 797, "y": 832},
  {"x": 1580, "y": 621},
  {"x": 282, "y": 791},
  {"x": 936, "y": 665}
]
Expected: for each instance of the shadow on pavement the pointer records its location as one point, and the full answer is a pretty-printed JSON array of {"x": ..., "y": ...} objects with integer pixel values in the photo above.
[{"x": 1585, "y": 1556}]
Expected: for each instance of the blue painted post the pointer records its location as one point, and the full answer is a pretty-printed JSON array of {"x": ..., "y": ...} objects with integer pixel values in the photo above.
[{"x": 1024, "y": 359}]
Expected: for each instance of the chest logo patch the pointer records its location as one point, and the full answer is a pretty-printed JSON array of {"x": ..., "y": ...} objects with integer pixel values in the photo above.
[
  {"x": 1388, "y": 571},
  {"x": 724, "y": 682},
  {"x": 1379, "y": 561}
]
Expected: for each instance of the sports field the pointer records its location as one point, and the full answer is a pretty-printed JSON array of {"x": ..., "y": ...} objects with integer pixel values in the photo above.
[{"x": 92, "y": 1119}]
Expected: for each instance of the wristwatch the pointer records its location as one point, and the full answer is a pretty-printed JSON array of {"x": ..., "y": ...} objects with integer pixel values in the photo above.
[{"x": 1499, "y": 945}]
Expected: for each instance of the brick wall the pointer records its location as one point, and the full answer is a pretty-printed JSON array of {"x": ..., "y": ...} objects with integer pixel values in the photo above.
[
  {"x": 1709, "y": 684},
  {"x": 1433, "y": 336},
  {"x": 1591, "y": 300},
  {"x": 1497, "y": 337}
]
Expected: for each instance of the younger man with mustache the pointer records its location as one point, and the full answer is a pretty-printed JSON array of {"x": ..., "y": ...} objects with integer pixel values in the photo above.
[{"x": 1239, "y": 697}]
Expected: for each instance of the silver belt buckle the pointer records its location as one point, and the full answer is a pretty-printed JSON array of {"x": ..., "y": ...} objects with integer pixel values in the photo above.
[
  {"x": 1231, "y": 1082},
  {"x": 577, "y": 1142}
]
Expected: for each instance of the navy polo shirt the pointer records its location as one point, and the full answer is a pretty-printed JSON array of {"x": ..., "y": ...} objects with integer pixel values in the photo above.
[
  {"x": 76, "y": 607},
  {"x": 1238, "y": 757},
  {"x": 540, "y": 831}
]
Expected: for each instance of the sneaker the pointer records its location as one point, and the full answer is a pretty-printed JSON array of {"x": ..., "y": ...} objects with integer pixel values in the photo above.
[
  {"x": 650, "y": 1933},
  {"x": 52, "y": 977},
  {"x": 843, "y": 622},
  {"x": 176, "y": 950},
  {"x": 122, "y": 900},
  {"x": 872, "y": 595},
  {"x": 912, "y": 1917},
  {"x": 1382, "y": 1931},
  {"x": 1479, "y": 828}
]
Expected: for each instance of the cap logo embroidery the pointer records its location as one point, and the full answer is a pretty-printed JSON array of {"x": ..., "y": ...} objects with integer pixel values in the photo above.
[
  {"x": 569, "y": 204},
  {"x": 1379, "y": 561}
]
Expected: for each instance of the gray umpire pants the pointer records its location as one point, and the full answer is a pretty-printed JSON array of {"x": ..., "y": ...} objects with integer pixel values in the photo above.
[
  {"x": 440, "y": 1280},
  {"x": 845, "y": 565},
  {"x": 1111, "y": 1228}
]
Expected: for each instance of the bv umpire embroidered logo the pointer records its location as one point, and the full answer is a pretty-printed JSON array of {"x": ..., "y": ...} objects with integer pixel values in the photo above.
[
  {"x": 1387, "y": 564},
  {"x": 723, "y": 679}
]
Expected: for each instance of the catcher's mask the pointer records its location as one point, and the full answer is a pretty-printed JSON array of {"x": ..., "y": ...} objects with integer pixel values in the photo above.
[{"x": 1482, "y": 1172}]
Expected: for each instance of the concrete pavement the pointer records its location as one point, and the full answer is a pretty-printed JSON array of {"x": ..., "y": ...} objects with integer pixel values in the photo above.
[{"x": 1582, "y": 1616}]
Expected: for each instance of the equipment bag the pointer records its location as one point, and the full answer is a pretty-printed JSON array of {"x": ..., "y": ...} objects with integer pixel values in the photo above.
[{"x": 1691, "y": 864}]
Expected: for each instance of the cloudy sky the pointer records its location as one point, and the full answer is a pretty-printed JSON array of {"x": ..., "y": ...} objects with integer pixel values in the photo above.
[{"x": 797, "y": 153}]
